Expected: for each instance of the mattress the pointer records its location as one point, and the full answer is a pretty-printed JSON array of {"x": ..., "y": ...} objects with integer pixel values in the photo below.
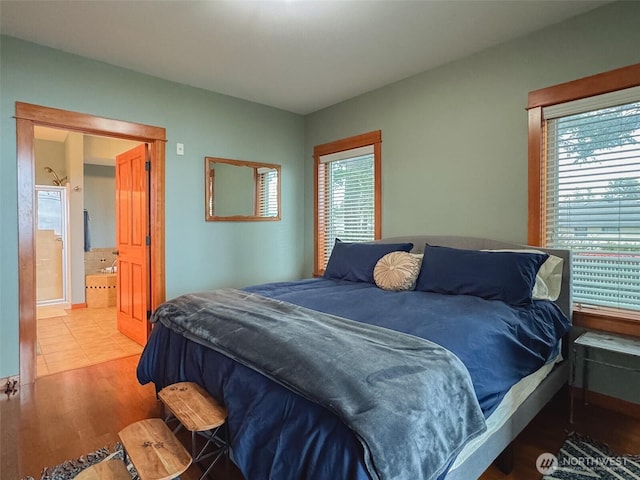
[{"x": 507, "y": 407}]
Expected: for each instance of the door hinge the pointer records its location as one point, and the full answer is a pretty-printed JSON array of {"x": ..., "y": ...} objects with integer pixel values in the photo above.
[
  {"x": 147, "y": 240},
  {"x": 147, "y": 166}
]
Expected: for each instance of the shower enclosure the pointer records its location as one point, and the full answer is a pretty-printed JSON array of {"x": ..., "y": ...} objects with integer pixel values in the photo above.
[{"x": 52, "y": 213}]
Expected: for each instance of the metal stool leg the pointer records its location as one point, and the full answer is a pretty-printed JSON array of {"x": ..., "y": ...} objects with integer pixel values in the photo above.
[{"x": 219, "y": 439}]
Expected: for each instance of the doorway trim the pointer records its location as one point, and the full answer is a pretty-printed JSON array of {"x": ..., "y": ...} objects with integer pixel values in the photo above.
[{"x": 29, "y": 115}]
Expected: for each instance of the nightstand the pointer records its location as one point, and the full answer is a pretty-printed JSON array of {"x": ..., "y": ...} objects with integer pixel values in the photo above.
[{"x": 604, "y": 342}]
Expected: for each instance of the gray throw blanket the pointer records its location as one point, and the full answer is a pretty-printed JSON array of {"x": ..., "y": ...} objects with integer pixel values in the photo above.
[{"x": 409, "y": 401}]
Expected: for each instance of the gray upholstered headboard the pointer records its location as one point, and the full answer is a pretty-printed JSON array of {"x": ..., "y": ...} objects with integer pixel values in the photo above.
[{"x": 471, "y": 243}]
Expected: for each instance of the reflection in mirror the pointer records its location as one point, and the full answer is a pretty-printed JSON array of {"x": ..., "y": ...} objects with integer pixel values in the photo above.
[{"x": 238, "y": 190}]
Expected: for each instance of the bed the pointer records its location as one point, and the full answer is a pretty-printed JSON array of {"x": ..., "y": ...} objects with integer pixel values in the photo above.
[{"x": 294, "y": 419}]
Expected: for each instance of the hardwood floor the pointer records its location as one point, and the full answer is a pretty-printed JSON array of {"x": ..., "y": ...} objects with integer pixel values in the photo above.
[
  {"x": 548, "y": 430},
  {"x": 65, "y": 415}
]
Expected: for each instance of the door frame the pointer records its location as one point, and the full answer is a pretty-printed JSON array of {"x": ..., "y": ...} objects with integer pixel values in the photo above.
[{"x": 29, "y": 115}]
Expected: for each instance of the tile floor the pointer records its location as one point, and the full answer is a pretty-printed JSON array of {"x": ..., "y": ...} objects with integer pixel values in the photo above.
[{"x": 81, "y": 337}]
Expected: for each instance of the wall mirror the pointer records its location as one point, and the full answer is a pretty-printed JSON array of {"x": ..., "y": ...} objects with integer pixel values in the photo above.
[{"x": 238, "y": 190}]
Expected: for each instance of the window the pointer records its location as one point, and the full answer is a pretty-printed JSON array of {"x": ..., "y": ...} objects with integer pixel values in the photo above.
[
  {"x": 584, "y": 185},
  {"x": 593, "y": 195},
  {"x": 267, "y": 192},
  {"x": 347, "y": 193}
]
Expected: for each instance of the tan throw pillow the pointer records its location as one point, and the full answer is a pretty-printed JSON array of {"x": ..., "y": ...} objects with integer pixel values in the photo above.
[{"x": 397, "y": 271}]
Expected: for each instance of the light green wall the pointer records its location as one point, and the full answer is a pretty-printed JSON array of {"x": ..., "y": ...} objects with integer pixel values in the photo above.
[
  {"x": 199, "y": 254},
  {"x": 454, "y": 139}
]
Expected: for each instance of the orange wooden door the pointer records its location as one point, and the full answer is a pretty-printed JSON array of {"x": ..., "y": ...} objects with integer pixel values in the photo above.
[{"x": 132, "y": 239}]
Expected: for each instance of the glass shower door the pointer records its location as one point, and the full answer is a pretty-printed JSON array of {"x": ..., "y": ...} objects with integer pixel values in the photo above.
[{"x": 51, "y": 243}]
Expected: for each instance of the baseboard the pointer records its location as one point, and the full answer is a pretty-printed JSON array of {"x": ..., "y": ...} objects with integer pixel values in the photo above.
[
  {"x": 610, "y": 403},
  {"x": 78, "y": 306},
  {"x": 9, "y": 387}
]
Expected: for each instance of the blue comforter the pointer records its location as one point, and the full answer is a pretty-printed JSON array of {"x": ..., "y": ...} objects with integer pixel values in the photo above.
[
  {"x": 280, "y": 435},
  {"x": 498, "y": 343},
  {"x": 384, "y": 385}
]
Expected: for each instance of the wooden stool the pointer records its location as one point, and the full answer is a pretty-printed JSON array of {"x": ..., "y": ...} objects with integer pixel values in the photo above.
[
  {"x": 198, "y": 412},
  {"x": 154, "y": 450},
  {"x": 105, "y": 470}
]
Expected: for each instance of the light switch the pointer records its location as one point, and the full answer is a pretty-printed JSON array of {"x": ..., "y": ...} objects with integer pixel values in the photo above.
[{"x": 180, "y": 148}]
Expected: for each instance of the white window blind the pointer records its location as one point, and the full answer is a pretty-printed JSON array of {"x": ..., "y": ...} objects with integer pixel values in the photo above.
[
  {"x": 592, "y": 200},
  {"x": 267, "y": 193},
  {"x": 350, "y": 197}
]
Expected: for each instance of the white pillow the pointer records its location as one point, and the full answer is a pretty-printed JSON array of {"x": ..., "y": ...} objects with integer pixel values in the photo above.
[
  {"x": 549, "y": 280},
  {"x": 397, "y": 271},
  {"x": 549, "y": 277}
]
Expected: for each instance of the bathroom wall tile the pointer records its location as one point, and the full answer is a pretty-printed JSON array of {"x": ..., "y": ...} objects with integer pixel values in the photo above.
[{"x": 92, "y": 259}]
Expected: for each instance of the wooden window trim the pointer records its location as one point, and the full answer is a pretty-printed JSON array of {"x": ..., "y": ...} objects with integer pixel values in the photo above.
[
  {"x": 611, "y": 81},
  {"x": 319, "y": 195},
  {"x": 611, "y": 320}
]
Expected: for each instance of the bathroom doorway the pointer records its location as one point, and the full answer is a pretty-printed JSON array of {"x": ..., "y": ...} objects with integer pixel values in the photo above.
[
  {"x": 75, "y": 250},
  {"x": 28, "y": 116}
]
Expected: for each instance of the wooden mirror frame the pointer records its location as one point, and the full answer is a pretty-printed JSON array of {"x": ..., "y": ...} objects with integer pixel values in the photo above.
[{"x": 209, "y": 191}]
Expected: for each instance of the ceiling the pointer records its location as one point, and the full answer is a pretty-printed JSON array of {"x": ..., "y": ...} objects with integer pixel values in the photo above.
[{"x": 296, "y": 55}]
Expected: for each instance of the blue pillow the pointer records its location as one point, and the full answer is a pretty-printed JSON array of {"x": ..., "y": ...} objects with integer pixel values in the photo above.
[
  {"x": 355, "y": 261},
  {"x": 506, "y": 276}
]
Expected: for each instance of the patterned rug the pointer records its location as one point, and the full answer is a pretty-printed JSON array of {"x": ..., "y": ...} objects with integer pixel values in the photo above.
[
  {"x": 69, "y": 469},
  {"x": 582, "y": 458}
]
